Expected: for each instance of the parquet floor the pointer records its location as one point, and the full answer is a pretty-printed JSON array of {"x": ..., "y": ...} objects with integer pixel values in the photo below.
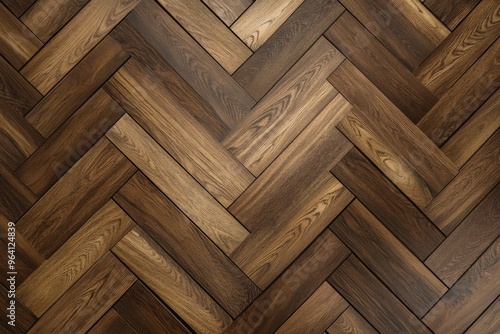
[{"x": 229, "y": 166}]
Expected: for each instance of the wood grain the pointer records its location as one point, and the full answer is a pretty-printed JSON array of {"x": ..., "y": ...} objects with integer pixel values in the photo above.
[
  {"x": 228, "y": 11},
  {"x": 489, "y": 321},
  {"x": 351, "y": 322},
  {"x": 24, "y": 318},
  {"x": 449, "y": 13},
  {"x": 15, "y": 197},
  {"x": 18, "y": 7},
  {"x": 111, "y": 323}
]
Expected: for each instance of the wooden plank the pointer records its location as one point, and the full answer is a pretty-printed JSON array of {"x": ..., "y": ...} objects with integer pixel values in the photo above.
[
  {"x": 17, "y": 94},
  {"x": 17, "y": 43},
  {"x": 468, "y": 241},
  {"x": 211, "y": 217},
  {"x": 381, "y": 67},
  {"x": 281, "y": 186},
  {"x": 449, "y": 13},
  {"x": 171, "y": 283},
  {"x": 46, "y": 17},
  {"x": 218, "y": 40},
  {"x": 317, "y": 312},
  {"x": 475, "y": 132},
  {"x": 373, "y": 300},
  {"x": 475, "y": 180},
  {"x": 18, "y": 7},
  {"x": 112, "y": 323},
  {"x": 15, "y": 197},
  {"x": 228, "y": 11},
  {"x": 70, "y": 262},
  {"x": 351, "y": 322},
  {"x": 179, "y": 133},
  {"x": 489, "y": 320},
  {"x": 262, "y": 19},
  {"x": 135, "y": 45},
  {"x": 75, "y": 197},
  {"x": 146, "y": 313},
  {"x": 466, "y": 95},
  {"x": 384, "y": 255},
  {"x": 192, "y": 62},
  {"x": 162, "y": 220},
  {"x": 273, "y": 59},
  {"x": 406, "y": 28},
  {"x": 24, "y": 319},
  {"x": 90, "y": 298},
  {"x": 74, "y": 41},
  {"x": 469, "y": 297},
  {"x": 390, "y": 140},
  {"x": 461, "y": 49},
  {"x": 279, "y": 117},
  {"x": 77, "y": 86},
  {"x": 277, "y": 303},
  {"x": 69, "y": 142},
  {"x": 393, "y": 209}
]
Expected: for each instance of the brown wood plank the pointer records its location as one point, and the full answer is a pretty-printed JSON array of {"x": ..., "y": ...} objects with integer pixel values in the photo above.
[
  {"x": 18, "y": 7},
  {"x": 451, "y": 13},
  {"x": 69, "y": 142},
  {"x": 317, "y": 312},
  {"x": 475, "y": 180},
  {"x": 192, "y": 62},
  {"x": 393, "y": 209},
  {"x": 406, "y": 28},
  {"x": 75, "y": 197},
  {"x": 111, "y": 323},
  {"x": 286, "y": 110},
  {"x": 351, "y": 322},
  {"x": 470, "y": 296},
  {"x": 228, "y": 11},
  {"x": 390, "y": 140},
  {"x": 90, "y": 298},
  {"x": 15, "y": 197},
  {"x": 367, "y": 237},
  {"x": 70, "y": 262},
  {"x": 460, "y": 50},
  {"x": 161, "y": 219},
  {"x": 273, "y": 59},
  {"x": 146, "y": 313},
  {"x": 489, "y": 321},
  {"x": 218, "y": 40},
  {"x": 381, "y": 67},
  {"x": 273, "y": 307},
  {"x": 262, "y": 19},
  {"x": 17, "y": 94},
  {"x": 179, "y": 133},
  {"x": 17, "y": 43},
  {"x": 24, "y": 319},
  {"x": 74, "y": 41},
  {"x": 182, "y": 189},
  {"x": 171, "y": 283},
  {"x": 468, "y": 241},
  {"x": 46, "y": 17},
  {"x": 77, "y": 86},
  {"x": 373, "y": 300}
]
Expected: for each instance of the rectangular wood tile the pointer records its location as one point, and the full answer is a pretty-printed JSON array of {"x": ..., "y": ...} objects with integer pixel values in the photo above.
[
  {"x": 111, "y": 323},
  {"x": 75, "y": 197},
  {"x": 74, "y": 41},
  {"x": 15, "y": 197},
  {"x": 182, "y": 189},
  {"x": 351, "y": 322},
  {"x": 489, "y": 321},
  {"x": 171, "y": 283},
  {"x": 228, "y": 11},
  {"x": 451, "y": 13},
  {"x": 18, "y": 7},
  {"x": 273, "y": 59}
]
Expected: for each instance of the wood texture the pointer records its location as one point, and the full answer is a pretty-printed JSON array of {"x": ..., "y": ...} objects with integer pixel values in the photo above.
[
  {"x": 112, "y": 323},
  {"x": 351, "y": 322},
  {"x": 228, "y": 11},
  {"x": 451, "y": 14}
]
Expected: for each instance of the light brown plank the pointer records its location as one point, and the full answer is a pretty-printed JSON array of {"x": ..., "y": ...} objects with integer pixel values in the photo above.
[
  {"x": 171, "y": 283},
  {"x": 211, "y": 217},
  {"x": 74, "y": 41},
  {"x": 351, "y": 322},
  {"x": 228, "y": 11},
  {"x": 111, "y": 323},
  {"x": 489, "y": 322}
]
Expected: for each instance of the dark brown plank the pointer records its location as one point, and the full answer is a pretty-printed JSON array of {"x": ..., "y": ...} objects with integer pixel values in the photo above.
[
  {"x": 146, "y": 313},
  {"x": 373, "y": 300},
  {"x": 406, "y": 28},
  {"x": 475, "y": 180},
  {"x": 393, "y": 209},
  {"x": 270, "y": 310},
  {"x": 15, "y": 197},
  {"x": 461, "y": 49},
  {"x": 381, "y": 67},
  {"x": 192, "y": 62},
  {"x": 87, "y": 300},
  {"x": 367, "y": 237},
  {"x": 17, "y": 94},
  {"x": 489, "y": 322},
  {"x": 273, "y": 59},
  {"x": 18, "y": 7},
  {"x": 23, "y": 318},
  {"x": 470, "y": 296},
  {"x": 351, "y": 322},
  {"x": 451, "y": 13},
  {"x": 469, "y": 240},
  {"x": 228, "y": 11},
  {"x": 161, "y": 219},
  {"x": 111, "y": 323},
  {"x": 77, "y": 86},
  {"x": 75, "y": 197}
]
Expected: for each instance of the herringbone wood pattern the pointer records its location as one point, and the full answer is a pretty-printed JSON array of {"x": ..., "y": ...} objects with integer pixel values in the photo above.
[{"x": 229, "y": 166}]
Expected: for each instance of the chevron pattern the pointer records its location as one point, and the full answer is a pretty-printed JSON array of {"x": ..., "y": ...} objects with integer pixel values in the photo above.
[{"x": 238, "y": 166}]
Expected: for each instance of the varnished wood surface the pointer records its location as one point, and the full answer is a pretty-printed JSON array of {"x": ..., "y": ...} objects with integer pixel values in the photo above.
[{"x": 239, "y": 166}]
